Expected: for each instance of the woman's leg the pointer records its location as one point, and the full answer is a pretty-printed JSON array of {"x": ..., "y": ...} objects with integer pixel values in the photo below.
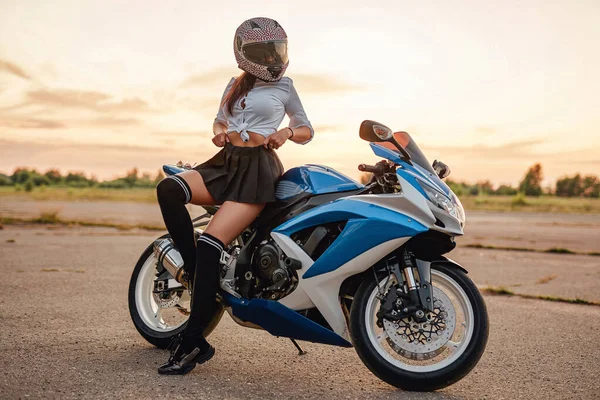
[
  {"x": 173, "y": 193},
  {"x": 227, "y": 224}
]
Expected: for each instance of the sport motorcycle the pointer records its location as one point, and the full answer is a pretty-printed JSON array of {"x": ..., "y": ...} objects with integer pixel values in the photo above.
[{"x": 336, "y": 262}]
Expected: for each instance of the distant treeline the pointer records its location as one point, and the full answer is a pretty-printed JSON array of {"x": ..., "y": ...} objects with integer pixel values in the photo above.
[
  {"x": 27, "y": 179},
  {"x": 531, "y": 185}
]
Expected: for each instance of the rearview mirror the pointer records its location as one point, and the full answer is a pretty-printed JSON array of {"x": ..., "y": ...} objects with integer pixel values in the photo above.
[
  {"x": 372, "y": 131},
  {"x": 442, "y": 170}
]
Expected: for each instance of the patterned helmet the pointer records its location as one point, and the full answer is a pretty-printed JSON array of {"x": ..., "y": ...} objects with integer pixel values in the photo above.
[{"x": 260, "y": 47}]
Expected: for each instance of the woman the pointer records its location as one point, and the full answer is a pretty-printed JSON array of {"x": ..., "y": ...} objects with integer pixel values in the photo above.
[{"x": 241, "y": 177}]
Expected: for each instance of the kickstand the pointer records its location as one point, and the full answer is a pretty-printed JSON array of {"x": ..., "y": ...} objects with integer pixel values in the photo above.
[{"x": 300, "y": 351}]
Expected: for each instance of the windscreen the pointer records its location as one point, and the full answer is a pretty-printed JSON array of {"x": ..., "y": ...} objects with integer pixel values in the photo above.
[{"x": 416, "y": 155}]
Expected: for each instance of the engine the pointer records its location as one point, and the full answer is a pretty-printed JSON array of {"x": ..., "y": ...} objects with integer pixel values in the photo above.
[{"x": 275, "y": 271}]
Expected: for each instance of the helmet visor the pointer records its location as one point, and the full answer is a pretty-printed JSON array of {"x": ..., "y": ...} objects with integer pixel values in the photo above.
[{"x": 266, "y": 53}]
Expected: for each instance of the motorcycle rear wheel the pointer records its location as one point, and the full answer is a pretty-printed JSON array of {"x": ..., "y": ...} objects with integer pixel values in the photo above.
[
  {"x": 393, "y": 363},
  {"x": 145, "y": 312}
]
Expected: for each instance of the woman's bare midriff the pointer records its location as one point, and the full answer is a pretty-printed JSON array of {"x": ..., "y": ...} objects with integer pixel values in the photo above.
[{"x": 255, "y": 139}]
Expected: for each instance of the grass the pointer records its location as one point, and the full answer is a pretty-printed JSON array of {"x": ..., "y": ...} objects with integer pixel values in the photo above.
[
  {"x": 560, "y": 250},
  {"x": 138, "y": 195},
  {"x": 553, "y": 250},
  {"x": 52, "y": 218},
  {"x": 550, "y": 204},
  {"x": 472, "y": 203},
  {"x": 503, "y": 291},
  {"x": 489, "y": 247}
]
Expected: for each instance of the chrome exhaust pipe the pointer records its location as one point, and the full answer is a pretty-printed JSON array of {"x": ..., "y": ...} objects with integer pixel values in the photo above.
[{"x": 170, "y": 258}]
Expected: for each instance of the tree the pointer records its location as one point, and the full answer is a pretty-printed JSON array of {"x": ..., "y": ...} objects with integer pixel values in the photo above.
[
  {"x": 569, "y": 187},
  {"x": 159, "y": 176},
  {"x": 21, "y": 175},
  {"x": 531, "y": 185},
  {"x": 588, "y": 186},
  {"x": 506, "y": 190},
  {"x": 591, "y": 186},
  {"x": 131, "y": 176},
  {"x": 485, "y": 187},
  {"x": 53, "y": 176},
  {"x": 77, "y": 179},
  {"x": 5, "y": 180}
]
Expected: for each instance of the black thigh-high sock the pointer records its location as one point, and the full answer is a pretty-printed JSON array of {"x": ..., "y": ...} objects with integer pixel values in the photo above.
[
  {"x": 204, "y": 291},
  {"x": 173, "y": 194}
]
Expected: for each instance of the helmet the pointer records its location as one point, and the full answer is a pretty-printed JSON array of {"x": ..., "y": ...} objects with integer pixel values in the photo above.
[{"x": 260, "y": 47}]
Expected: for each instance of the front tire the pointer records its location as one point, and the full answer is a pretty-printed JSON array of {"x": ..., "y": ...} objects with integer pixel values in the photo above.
[
  {"x": 145, "y": 312},
  {"x": 392, "y": 363}
]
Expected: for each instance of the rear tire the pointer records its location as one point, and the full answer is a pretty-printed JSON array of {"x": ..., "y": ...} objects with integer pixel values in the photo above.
[
  {"x": 412, "y": 380},
  {"x": 158, "y": 338}
]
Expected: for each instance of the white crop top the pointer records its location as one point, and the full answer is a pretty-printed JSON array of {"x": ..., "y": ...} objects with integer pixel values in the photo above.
[{"x": 265, "y": 106}]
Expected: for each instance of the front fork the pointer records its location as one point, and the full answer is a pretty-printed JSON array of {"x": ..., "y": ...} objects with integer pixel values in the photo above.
[{"x": 415, "y": 294}]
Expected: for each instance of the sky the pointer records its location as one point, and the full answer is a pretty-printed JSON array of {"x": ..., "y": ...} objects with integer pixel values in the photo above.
[{"x": 488, "y": 87}]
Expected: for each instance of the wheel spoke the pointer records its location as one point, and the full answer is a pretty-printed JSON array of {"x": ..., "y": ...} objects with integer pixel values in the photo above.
[
  {"x": 158, "y": 316},
  {"x": 382, "y": 336},
  {"x": 452, "y": 346}
]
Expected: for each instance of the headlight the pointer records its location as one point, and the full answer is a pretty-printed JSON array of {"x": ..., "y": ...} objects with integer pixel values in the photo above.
[{"x": 451, "y": 206}]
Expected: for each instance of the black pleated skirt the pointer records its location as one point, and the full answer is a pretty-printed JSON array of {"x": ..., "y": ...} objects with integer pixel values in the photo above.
[{"x": 242, "y": 174}]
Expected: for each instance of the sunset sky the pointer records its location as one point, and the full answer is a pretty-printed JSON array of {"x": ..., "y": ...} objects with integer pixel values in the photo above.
[{"x": 489, "y": 87}]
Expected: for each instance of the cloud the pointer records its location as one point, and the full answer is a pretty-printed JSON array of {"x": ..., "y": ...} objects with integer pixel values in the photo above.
[
  {"x": 329, "y": 129},
  {"x": 507, "y": 163},
  {"x": 504, "y": 152},
  {"x": 322, "y": 84},
  {"x": 90, "y": 100},
  {"x": 105, "y": 122},
  {"x": 486, "y": 130},
  {"x": 196, "y": 134},
  {"x": 14, "y": 69},
  {"x": 29, "y": 123},
  {"x": 305, "y": 83},
  {"x": 215, "y": 77},
  {"x": 106, "y": 161}
]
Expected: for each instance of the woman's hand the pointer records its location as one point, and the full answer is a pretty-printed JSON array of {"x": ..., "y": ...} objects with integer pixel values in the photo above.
[
  {"x": 277, "y": 139},
  {"x": 181, "y": 164},
  {"x": 220, "y": 139}
]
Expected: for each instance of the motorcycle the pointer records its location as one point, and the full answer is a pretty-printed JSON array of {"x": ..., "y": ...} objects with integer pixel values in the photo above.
[{"x": 337, "y": 262}]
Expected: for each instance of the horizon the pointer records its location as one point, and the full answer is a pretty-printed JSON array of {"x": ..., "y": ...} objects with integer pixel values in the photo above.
[{"x": 490, "y": 89}]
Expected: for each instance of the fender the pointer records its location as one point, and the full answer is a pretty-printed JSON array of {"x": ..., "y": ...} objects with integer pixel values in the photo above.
[{"x": 449, "y": 263}]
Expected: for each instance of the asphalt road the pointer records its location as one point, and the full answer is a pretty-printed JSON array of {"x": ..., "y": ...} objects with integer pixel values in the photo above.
[
  {"x": 540, "y": 231},
  {"x": 65, "y": 332}
]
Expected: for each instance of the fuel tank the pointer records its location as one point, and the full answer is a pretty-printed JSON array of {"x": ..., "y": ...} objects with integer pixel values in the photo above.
[{"x": 314, "y": 179}]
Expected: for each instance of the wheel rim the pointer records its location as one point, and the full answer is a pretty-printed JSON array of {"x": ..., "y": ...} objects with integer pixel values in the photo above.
[
  {"x": 455, "y": 343},
  {"x": 153, "y": 316}
]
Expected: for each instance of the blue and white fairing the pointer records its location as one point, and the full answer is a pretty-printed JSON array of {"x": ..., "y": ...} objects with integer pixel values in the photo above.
[
  {"x": 314, "y": 179},
  {"x": 375, "y": 226},
  {"x": 444, "y": 204}
]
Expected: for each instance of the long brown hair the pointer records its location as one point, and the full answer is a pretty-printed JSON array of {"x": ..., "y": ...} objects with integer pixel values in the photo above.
[{"x": 241, "y": 86}]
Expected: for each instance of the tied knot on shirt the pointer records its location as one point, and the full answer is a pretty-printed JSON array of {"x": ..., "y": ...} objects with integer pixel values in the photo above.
[{"x": 243, "y": 129}]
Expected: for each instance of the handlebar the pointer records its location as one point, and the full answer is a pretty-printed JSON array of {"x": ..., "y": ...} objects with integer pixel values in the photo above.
[{"x": 378, "y": 169}]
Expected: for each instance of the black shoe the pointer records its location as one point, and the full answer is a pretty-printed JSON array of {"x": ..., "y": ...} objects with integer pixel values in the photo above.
[{"x": 180, "y": 363}]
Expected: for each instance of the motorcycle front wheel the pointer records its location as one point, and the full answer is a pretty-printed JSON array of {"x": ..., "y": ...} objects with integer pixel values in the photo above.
[
  {"x": 422, "y": 356},
  {"x": 158, "y": 320}
]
